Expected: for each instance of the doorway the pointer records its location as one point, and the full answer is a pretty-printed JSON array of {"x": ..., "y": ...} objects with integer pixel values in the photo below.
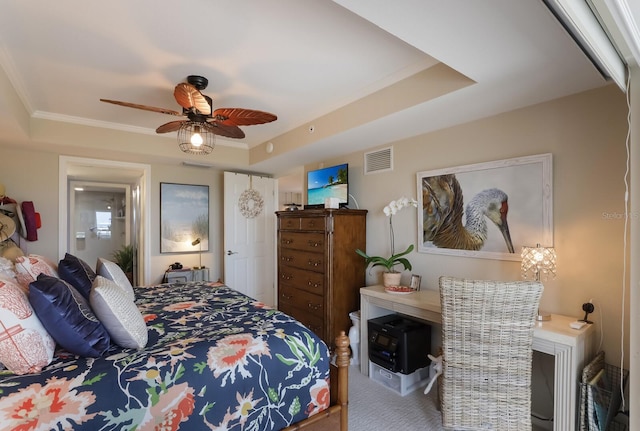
[
  {"x": 108, "y": 179},
  {"x": 100, "y": 219}
]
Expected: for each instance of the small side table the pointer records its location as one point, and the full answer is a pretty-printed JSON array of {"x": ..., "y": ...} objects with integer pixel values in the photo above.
[{"x": 186, "y": 275}]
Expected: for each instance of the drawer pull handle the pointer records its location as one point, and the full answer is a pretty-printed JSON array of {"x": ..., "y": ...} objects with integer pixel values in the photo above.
[
  {"x": 313, "y": 243},
  {"x": 314, "y": 306},
  {"x": 285, "y": 296},
  {"x": 287, "y": 258},
  {"x": 287, "y": 241},
  {"x": 311, "y": 284},
  {"x": 314, "y": 264},
  {"x": 287, "y": 277}
]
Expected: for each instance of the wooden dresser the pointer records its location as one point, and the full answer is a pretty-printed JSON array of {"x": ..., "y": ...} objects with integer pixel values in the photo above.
[{"x": 319, "y": 272}]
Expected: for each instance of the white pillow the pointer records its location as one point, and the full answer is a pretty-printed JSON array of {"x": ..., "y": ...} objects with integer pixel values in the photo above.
[
  {"x": 113, "y": 272},
  {"x": 25, "y": 345},
  {"x": 118, "y": 313}
]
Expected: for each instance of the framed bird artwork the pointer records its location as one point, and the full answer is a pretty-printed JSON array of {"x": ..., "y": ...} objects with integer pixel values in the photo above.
[{"x": 486, "y": 210}]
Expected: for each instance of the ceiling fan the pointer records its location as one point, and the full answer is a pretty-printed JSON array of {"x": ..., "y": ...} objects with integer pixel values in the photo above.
[{"x": 199, "y": 115}]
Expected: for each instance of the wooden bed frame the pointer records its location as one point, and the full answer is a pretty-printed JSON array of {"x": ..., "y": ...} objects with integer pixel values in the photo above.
[{"x": 337, "y": 415}]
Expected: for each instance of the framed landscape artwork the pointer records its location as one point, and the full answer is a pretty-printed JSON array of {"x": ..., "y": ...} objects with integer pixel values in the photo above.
[
  {"x": 184, "y": 217},
  {"x": 487, "y": 210}
]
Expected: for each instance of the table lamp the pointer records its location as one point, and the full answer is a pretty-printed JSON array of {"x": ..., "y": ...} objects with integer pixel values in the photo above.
[
  {"x": 538, "y": 263},
  {"x": 195, "y": 242}
]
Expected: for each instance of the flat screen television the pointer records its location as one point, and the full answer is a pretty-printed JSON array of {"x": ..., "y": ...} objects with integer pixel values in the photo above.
[{"x": 331, "y": 182}]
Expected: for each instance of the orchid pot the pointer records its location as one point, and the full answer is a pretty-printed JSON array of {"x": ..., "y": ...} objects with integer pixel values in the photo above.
[{"x": 389, "y": 263}]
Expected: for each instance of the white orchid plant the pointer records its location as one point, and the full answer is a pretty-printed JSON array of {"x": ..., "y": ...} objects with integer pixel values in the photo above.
[{"x": 395, "y": 259}]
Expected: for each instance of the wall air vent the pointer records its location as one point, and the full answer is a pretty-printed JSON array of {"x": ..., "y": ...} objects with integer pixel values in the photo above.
[{"x": 378, "y": 161}]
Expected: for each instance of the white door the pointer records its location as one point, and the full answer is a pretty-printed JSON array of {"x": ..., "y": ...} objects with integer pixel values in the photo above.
[{"x": 249, "y": 235}]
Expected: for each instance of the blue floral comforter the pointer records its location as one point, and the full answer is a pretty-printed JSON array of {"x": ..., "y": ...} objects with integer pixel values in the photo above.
[{"x": 216, "y": 360}]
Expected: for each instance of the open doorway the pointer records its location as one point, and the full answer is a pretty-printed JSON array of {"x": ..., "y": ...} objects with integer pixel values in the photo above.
[
  {"x": 100, "y": 221},
  {"x": 108, "y": 179}
]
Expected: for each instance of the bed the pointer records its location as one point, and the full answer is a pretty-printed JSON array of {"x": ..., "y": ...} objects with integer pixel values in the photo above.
[{"x": 215, "y": 360}]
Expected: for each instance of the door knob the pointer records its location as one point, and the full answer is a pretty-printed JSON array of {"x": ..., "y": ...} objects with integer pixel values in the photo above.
[{"x": 229, "y": 252}]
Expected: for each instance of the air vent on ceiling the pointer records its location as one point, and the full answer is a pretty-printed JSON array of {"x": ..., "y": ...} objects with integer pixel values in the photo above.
[{"x": 378, "y": 161}]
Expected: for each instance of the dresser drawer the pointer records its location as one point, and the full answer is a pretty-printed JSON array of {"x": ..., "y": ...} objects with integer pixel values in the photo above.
[
  {"x": 307, "y": 241},
  {"x": 302, "y": 259},
  {"x": 302, "y": 300},
  {"x": 312, "y": 282},
  {"x": 289, "y": 223},
  {"x": 302, "y": 223},
  {"x": 313, "y": 223}
]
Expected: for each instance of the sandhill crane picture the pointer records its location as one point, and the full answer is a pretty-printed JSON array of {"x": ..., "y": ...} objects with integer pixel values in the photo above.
[
  {"x": 486, "y": 210},
  {"x": 443, "y": 210}
]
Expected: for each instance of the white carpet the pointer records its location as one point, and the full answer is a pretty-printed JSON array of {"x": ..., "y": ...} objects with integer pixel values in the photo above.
[{"x": 373, "y": 407}]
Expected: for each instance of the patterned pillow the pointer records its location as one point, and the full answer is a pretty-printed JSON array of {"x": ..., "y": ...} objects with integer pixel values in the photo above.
[
  {"x": 25, "y": 345},
  {"x": 68, "y": 317},
  {"x": 113, "y": 272},
  {"x": 28, "y": 268},
  {"x": 77, "y": 273},
  {"x": 118, "y": 313}
]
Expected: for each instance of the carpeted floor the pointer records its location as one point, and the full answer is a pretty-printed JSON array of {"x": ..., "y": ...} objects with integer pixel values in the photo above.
[{"x": 373, "y": 407}]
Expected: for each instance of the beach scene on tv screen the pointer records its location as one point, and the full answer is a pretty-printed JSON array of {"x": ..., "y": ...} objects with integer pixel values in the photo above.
[{"x": 328, "y": 183}]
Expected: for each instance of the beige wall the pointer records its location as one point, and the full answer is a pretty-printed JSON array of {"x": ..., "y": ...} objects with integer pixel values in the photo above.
[
  {"x": 586, "y": 135},
  {"x": 33, "y": 176},
  {"x": 213, "y": 259}
]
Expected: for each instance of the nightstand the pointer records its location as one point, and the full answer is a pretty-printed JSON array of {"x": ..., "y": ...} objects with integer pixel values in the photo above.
[{"x": 186, "y": 275}]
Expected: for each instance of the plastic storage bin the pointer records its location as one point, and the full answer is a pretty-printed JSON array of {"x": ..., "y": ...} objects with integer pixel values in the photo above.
[{"x": 401, "y": 384}]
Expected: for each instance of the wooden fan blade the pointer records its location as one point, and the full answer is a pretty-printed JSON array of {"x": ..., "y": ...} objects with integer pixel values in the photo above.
[
  {"x": 242, "y": 117},
  {"x": 190, "y": 97},
  {"x": 230, "y": 131},
  {"x": 144, "y": 107},
  {"x": 171, "y": 126}
]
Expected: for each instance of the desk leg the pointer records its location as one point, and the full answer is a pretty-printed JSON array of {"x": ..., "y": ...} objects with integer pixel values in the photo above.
[
  {"x": 565, "y": 391},
  {"x": 369, "y": 310},
  {"x": 565, "y": 388},
  {"x": 365, "y": 312}
]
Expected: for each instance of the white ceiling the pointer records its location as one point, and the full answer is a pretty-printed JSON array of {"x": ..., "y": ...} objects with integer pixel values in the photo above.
[{"x": 299, "y": 59}]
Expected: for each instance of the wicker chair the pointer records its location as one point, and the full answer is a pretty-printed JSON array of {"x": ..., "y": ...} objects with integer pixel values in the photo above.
[{"x": 487, "y": 333}]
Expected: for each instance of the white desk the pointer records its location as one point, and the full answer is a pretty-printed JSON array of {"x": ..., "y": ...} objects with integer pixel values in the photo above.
[{"x": 571, "y": 348}]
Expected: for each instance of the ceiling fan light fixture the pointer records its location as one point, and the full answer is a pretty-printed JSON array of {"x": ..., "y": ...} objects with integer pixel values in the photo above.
[
  {"x": 195, "y": 138},
  {"x": 196, "y": 134}
]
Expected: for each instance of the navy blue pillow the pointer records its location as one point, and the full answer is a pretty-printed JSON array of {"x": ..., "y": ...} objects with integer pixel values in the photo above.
[
  {"x": 67, "y": 316},
  {"x": 77, "y": 273}
]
